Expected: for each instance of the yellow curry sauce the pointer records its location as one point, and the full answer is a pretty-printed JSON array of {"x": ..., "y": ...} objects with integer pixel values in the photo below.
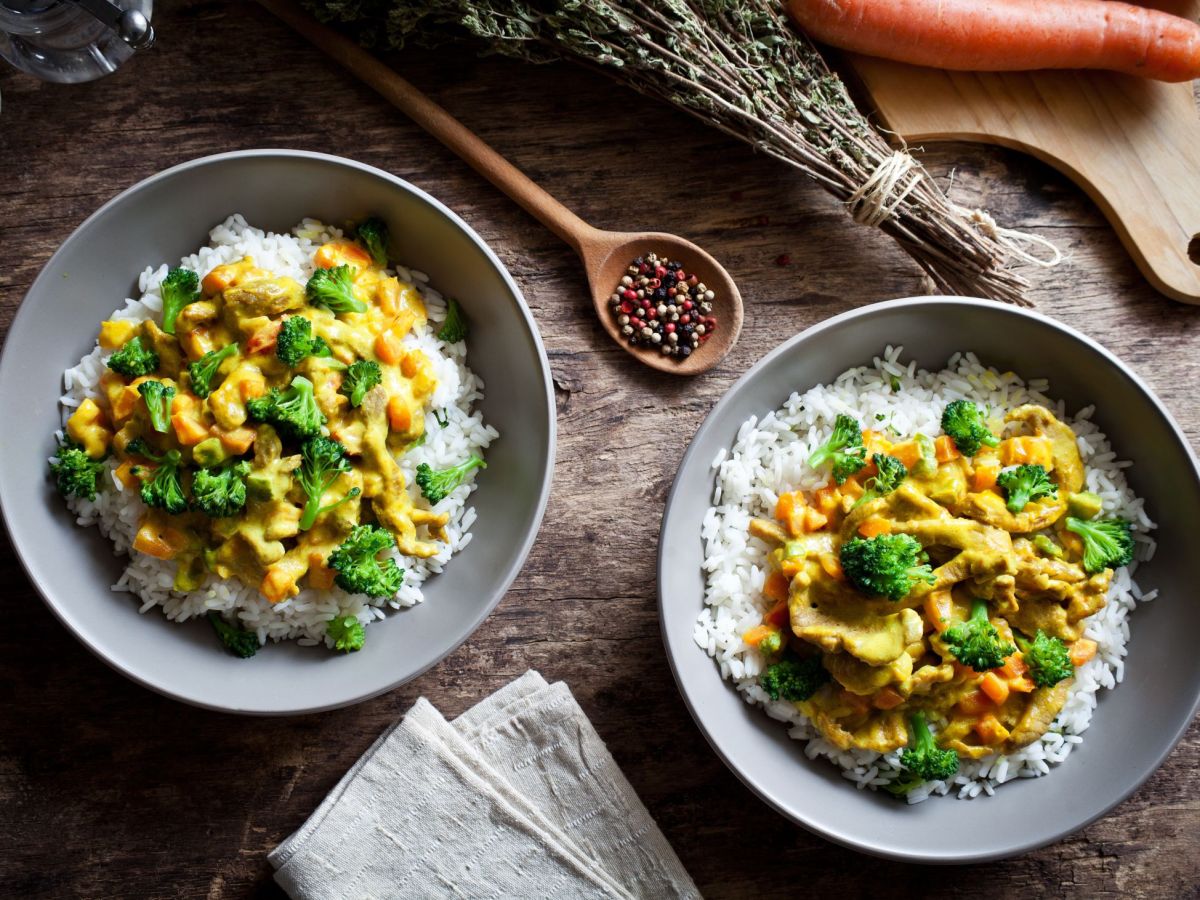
[
  {"x": 887, "y": 660},
  {"x": 244, "y": 304}
]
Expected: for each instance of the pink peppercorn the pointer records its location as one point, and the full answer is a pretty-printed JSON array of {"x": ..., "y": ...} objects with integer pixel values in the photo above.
[
  {"x": 629, "y": 294},
  {"x": 670, "y": 327}
]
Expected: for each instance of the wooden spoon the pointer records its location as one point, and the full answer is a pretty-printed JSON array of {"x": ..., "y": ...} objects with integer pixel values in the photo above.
[{"x": 605, "y": 254}]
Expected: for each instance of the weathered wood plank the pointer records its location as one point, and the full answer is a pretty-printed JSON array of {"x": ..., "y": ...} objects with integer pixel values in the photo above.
[{"x": 109, "y": 790}]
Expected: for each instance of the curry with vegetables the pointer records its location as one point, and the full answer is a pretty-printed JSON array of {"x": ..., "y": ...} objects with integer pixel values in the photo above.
[
  {"x": 937, "y": 581},
  {"x": 261, "y": 421}
]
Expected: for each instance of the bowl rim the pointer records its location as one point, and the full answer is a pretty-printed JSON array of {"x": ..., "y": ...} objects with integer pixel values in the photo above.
[
  {"x": 695, "y": 702},
  {"x": 504, "y": 578}
]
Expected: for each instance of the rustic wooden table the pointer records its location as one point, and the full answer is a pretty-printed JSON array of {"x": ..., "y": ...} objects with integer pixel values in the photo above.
[{"x": 110, "y": 790}]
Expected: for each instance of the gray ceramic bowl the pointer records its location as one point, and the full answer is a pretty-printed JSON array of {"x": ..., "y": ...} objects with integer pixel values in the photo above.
[
  {"x": 161, "y": 219},
  {"x": 1135, "y": 726}
]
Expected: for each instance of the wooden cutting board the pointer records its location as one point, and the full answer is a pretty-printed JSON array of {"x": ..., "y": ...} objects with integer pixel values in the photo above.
[{"x": 1133, "y": 145}]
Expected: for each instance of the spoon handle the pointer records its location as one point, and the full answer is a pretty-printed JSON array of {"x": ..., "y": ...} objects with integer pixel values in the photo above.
[{"x": 443, "y": 126}]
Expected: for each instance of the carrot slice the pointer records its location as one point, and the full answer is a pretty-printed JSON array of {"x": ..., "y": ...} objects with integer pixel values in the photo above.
[
  {"x": 832, "y": 566},
  {"x": 399, "y": 413},
  {"x": 985, "y": 475},
  {"x": 944, "y": 449},
  {"x": 938, "y": 607},
  {"x": 188, "y": 431},
  {"x": 1082, "y": 650},
  {"x": 263, "y": 340},
  {"x": 758, "y": 634},
  {"x": 874, "y": 526},
  {"x": 995, "y": 687},
  {"x": 776, "y": 586}
]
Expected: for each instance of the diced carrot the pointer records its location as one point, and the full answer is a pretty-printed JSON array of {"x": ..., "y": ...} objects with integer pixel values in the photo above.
[
  {"x": 789, "y": 510},
  {"x": 887, "y": 698},
  {"x": 827, "y": 499},
  {"x": 777, "y": 615},
  {"x": 278, "y": 584},
  {"x": 832, "y": 566},
  {"x": 188, "y": 431},
  {"x": 412, "y": 363},
  {"x": 125, "y": 475},
  {"x": 944, "y": 449},
  {"x": 973, "y": 703},
  {"x": 1014, "y": 667},
  {"x": 320, "y": 576},
  {"x": 1082, "y": 650},
  {"x": 1021, "y": 685},
  {"x": 814, "y": 520},
  {"x": 387, "y": 293},
  {"x": 938, "y": 607},
  {"x": 776, "y": 586},
  {"x": 873, "y": 526},
  {"x": 399, "y": 413},
  {"x": 236, "y": 441},
  {"x": 388, "y": 348},
  {"x": 758, "y": 633},
  {"x": 251, "y": 384},
  {"x": 990, "y": 731},
  {"x": 852, "y": 488},
  {"x": 158, "y": 539},
  {"x": 1026, "y": 448},
  {"x": 341, "y": 253},
  {"x": 908, "y": 453},
  {"x": 791, "y": 567},
  {"x": 263, "y": 340},
  {"x": 985, "y": 475},
  {"x": 995, "y": 687},
  {"x": 219, "y": 278}
]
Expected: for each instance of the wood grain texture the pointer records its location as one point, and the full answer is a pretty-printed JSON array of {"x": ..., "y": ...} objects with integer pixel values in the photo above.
[
  {"x": 108, "y": 790},
  {"x": 1133, "y": 145}
]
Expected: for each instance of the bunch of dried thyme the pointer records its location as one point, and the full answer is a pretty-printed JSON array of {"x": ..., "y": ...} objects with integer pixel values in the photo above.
[{"x": 741, "y": 67}]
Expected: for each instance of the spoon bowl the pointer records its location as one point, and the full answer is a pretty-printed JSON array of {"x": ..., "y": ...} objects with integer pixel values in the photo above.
[{"x": 605, "y": 254}]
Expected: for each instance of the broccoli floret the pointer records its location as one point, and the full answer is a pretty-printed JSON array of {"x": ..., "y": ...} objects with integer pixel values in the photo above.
[
  {"x": 293, "y": 411},
  {"x": 334, "y": 290},
  {"x": 347, "y": 633},
  {"x": 771, "y": 643},
  {"x": 373, "y": 233},
  {"x": 962, "y": 420},
  {"x": 220, "y": 491},
  {"x": 178, "y": 289},
  {"x": 76, "y": 473},
  {"x": 1048, "y": 659},
  {"x": 1024, "y": 483},
  {"x": 359, "y": 378},
  {"x": 204, "y": 370},
  {"x": 891, "y": 472},
  {"x": 134, "y": 359},
  {"x": 164, "y": 488},
  {"x": 295, "y": 341},
  {"x": 455, "y": 328},
  {"x": 927, "y": 465},
  {"x": 323, "y": 460},
  {"x": 236, "y": 640},
  {"x": 975, "y": 642},
  {"x": 358, "y": 571},
  {"x": 158, "y": 398},
  {"x": 923, "y": 759},
  {"x": 1107, "y": 543},
  {"x": 844, "y": 447},
  {"x": 886, "y": 565},
  {"x": 436, "y": 484},
  {"x": 793, "y": 678}
]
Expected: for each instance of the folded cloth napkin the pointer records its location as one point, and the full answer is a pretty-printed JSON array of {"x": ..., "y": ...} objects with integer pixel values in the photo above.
[{"x": 518, "y": 797}]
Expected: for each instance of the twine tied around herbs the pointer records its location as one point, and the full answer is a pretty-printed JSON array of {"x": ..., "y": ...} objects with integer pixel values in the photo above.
[{"x": 877, "y": 199}]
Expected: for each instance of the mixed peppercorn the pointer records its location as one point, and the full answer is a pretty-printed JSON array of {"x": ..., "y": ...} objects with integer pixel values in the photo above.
[{"x": 658, "y": 304}]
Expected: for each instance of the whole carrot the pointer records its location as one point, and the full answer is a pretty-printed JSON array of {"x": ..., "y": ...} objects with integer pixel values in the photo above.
[{"x": 1009, "y": 35}]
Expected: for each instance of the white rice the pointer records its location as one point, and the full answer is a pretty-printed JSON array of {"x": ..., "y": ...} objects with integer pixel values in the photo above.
[
  {"x": 769, "y": 457},
  {"x": 116, "y": 511}
]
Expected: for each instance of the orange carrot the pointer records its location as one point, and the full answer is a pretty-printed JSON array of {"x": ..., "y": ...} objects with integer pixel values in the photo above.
[
  {"x": 758, "y": 634},
  {"x": 814, "y": 520},
  {"x": 973, "y": 703},
  {"x": 237, "y": 441},
  {"x": 995, "y": 687},
  {"x": 1081, "y": 651},
  {"x": 399, "y": 414},
  {"x": 156, "y": 538},
  {"x": 776, "y": 586},
  {"x": 908, "y": 453},
  {"x": 338, "y": 253},
  {"x": 1025, "y": 449},
  {"x": 826, "y": 499},
  {"x": 874, "y": 526},
  {"x": 188, "y": 431},
  {"x": 320, "y": 576},
  {"x": 1014, "y": 667},
  {"x": 263, "y": 340},
  {"x": 1016, "y": 35},
  {"x": 832, "y": 566},
  {"x": 938, "y": 606},
  {"x": 986, "y": 473},
  {"x": 388, "y": 348},
  {"x": 789, "y": 510},
  {"x": 990, "y": 731},
  {"x": 944, "y": 449}
]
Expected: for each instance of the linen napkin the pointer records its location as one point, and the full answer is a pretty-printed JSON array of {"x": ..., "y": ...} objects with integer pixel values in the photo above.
[{"x": 518, "y": 797}]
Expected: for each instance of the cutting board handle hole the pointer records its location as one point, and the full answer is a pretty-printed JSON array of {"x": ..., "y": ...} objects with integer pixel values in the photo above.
[{"x": 1194, "y": 250}]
